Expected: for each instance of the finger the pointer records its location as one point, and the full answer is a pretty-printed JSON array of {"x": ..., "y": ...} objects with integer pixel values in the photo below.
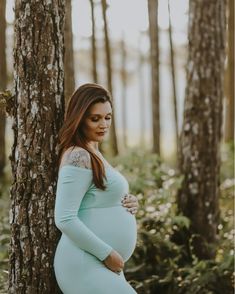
[
  {"x": 131, "y": 197},
  {"x": 133, "y": 201},
  {"x": 129, "y": 204},
  {"x": 132, "y": 210},
  {"x": 126, "y": 196}
]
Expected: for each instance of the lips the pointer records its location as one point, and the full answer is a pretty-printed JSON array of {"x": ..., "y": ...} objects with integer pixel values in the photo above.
[{"x": 100, "y": 133}]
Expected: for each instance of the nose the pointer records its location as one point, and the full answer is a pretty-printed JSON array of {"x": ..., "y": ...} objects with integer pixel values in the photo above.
[{"x": 103, "y": 124}]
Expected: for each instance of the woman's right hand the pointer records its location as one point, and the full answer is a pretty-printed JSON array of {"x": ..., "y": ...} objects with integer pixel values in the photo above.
[{"x": 114, "y": 261}]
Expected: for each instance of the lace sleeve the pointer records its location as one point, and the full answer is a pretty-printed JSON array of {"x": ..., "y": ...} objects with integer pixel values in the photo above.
[{"x": 77, "y": 157}]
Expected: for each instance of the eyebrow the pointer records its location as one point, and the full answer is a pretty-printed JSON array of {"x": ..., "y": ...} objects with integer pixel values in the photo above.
[{"x": 96, "y": 114}]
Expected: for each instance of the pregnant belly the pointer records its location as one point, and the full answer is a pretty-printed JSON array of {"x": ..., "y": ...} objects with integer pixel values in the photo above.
[{"x": 114, "y": 225}]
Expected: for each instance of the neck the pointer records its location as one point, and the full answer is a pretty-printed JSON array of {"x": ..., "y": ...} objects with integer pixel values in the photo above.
[{"x": 94, "y": 146}]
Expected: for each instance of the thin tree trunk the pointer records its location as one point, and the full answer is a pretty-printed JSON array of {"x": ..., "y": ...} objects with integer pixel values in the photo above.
[
  {"x": 3, "y": 84},
  {"x": 37, "y": 117},
  {"x": 68, "y": 56},
  {"x": 201, "y": 132},
  {"x": 154, "y": 45},
  {"x": 124, "y": 90},
  {"x": 93, "y": 43},
  {"x": 113, "y": 137},
  {"x": 229, "y": 123},
  {"x": 141, "y": 96},
  {"x": 174, "y": 96}
]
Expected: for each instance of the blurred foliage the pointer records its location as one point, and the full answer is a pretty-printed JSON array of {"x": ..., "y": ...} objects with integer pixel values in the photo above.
[{"x": 164, "y": 259}]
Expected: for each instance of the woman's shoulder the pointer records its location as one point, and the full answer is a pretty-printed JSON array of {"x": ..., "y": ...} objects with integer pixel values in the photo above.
[{"x": 76, "y": 156}]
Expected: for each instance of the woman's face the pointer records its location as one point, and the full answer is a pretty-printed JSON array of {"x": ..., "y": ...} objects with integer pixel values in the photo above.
[{"x": 97, "y": 121}]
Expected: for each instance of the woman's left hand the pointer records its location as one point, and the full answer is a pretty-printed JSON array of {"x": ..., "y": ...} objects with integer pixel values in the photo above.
[{"x": 131, "y": 203}]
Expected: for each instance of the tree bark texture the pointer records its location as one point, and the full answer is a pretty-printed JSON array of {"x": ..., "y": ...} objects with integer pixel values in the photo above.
[
  {"x": 113, "y": 136},
  {"x": 3, "y": 84},
  {"x": 173, "y": 77},
  {"x": 154, "y": 58},
  {"x": 38, "y": 115},
  {"x": 69, "y": 78},
  {"x": 229, "y": 113},
  {"x": 201, "y": 132}
]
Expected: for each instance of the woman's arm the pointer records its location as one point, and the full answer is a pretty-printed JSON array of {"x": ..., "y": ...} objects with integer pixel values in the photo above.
[{"x": 73, "y": 182}]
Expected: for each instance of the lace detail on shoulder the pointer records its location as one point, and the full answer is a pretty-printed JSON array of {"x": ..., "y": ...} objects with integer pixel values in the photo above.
[{"x": 78, "y": 157}]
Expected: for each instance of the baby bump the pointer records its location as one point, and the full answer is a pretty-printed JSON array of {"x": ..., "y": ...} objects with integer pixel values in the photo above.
[{"x": 114, "y": 225}]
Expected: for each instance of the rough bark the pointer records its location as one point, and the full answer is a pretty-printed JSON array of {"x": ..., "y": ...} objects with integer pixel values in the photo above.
[
  {"x": 38, "y": 115},
  {"x": 93, "y": 44},
  {"x": 201, "y": 132},
  {"x": 229, "y": 113},
  {"x": 154, "y": 58},
  {"x": 3, "y": 84},
  {"x": 113, "y": 137},
  {"x": 69, "y": 79},
  {"x": 173, "y": 77}
]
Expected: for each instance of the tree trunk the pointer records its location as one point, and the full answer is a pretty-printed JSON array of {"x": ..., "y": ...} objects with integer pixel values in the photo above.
[
  {"x": 142, "y": 100},
  {"x": 174, "y": 96},
  {"x": 124, "y": 97},
  {"x": 3, "y": 84},
  {"x": 229, "y": 123},
  {"x": 93, "y": 43},
  {"x": 154, "y": 46},
  {"x": 113, "y": 137},
  {"x": 69, "y": 80},
  {"x": 38, "y": 115},
  {"x": 201, "y": 132}
]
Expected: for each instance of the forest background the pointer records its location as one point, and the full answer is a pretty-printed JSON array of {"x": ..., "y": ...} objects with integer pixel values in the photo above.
[{"x": 170, "y": 68}]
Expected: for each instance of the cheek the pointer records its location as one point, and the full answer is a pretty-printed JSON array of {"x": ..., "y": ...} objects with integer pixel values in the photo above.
[
  {"x": 88, "y": 128},
  {"x": 92, "y": 127}
]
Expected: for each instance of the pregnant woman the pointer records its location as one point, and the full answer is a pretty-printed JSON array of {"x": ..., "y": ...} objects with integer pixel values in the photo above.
[{"x": 98, "y": 234}]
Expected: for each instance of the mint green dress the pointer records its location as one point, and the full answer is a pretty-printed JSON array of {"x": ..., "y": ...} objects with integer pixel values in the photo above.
[{"x": 92, "y": 222}]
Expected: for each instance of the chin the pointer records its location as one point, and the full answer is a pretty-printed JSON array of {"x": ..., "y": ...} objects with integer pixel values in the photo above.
[{"x": 97, "y": 140}]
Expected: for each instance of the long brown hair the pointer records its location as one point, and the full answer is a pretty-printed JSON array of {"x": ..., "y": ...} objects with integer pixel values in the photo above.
[{"x": 70, "y": 133}]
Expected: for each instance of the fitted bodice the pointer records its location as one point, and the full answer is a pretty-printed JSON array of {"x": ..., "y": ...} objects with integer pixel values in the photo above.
[{"x": 116, "y": 187}]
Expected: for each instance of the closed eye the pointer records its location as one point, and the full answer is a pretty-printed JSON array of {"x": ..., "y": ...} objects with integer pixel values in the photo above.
[{"x": 97, "y": 119}]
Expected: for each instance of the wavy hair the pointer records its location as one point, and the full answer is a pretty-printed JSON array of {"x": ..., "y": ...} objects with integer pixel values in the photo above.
[{"x": 70, "y": 134}]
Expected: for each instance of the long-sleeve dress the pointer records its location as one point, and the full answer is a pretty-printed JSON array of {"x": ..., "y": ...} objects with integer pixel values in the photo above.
[{"x": 92, "y": 222}]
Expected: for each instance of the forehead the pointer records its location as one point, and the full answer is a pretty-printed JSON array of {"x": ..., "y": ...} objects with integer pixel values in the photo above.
[{"x": 101, "y": 108}]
